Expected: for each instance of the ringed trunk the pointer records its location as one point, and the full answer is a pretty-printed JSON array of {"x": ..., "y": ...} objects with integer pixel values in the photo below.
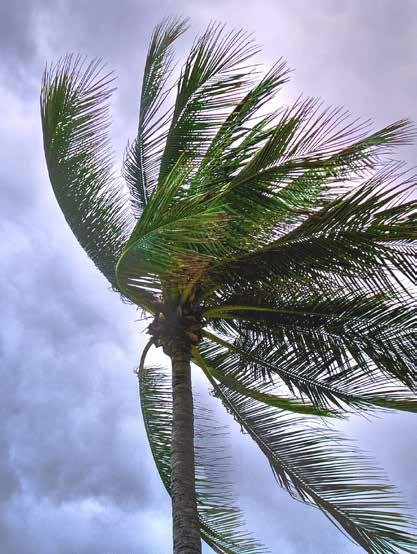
[{"x": 186, "y": 528}]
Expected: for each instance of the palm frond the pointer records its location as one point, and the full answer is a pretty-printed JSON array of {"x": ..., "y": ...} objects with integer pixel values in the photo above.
[
  {"x": 320, "y": 468},
  {"x": 311, "y": 157},
  {"x": 221, "y": 523},
  {"x": 306, "y": 135},
  {"x": 74, "y": 111},
  {"x": 212, "y": 82},
  {"x": 143, "y": 157},
  {"x": 264, "y": 394},
  {"x": 374, "y": 332},
  {"x": 327, "y": 380},
  {"x": 363, "y": 240},
  {"x": 241, "y": 133}
]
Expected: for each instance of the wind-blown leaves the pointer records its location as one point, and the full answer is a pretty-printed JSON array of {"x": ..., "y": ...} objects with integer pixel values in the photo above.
[
  {"x": 169, "y": 239},
  {"x": 310, "y": 158},
  {"x": 362, "y": 240},
  {"x": 220, "y": 520},
  {"x": 74, "y": 110},
  {"x": 318, "y": 467},
  {"x": 330, "y": 373},
  {"x": 212, "y": 82},
  {"x": 374, "y": 333},
  {"x": 241, "y": 133},
  {"x": 264, "y": 393},
  {"x": 143, "y": 157}
]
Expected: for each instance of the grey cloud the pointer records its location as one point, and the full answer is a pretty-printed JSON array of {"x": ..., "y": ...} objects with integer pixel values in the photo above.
[
  {"x": 85, "y": 527},
  {"x": 69, "y": 398},
  {"x": 62, "y": 349},
  {"x": 17, "y": 42},
  {"x": 20, "y": 44}
]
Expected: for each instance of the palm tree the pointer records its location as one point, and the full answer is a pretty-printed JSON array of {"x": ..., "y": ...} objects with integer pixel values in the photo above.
[{"x": 273, "y": 249}]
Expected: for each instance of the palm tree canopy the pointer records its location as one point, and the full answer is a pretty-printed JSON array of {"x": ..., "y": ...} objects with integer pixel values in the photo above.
[{"x": 280, "y": 243}]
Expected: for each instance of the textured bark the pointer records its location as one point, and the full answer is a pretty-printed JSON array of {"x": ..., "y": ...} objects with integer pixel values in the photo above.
[{"x": 186, "y": 529}]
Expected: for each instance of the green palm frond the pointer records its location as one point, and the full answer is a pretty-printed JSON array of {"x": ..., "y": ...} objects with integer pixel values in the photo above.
[
  {"x": 221, "y": 523},
  {"x": 173, "y": 234},
  {"x": 307, "y": 136},
  {"x": 143, "y": 157},
  {"x": 74, "y": 110},
  {"x": 310, "y": 158},
  {"x": 362, "y": 240},
  {"x": 318, "y": 467},
  {"x": 256, "y": 363},
  {"x": 377, "y": 334},
  {"x": 242, "y": 133},
  {"x": 212, "y": 82},
  {"x": 265, "y": 394}
]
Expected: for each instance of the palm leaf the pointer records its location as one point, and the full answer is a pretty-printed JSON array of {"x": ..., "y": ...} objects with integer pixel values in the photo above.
[
  {"x": 256, "y": 363},
  {"x": 310, "y": 157},
  {"x": 74, "y": 110},
  {"x": 220, "y": 520},
  {"x": 362, "y": 241},
  {"x": 211, "y": 84},
  {"x": 379, "y": 335},
  {"x": 263, "y": 394},
  {"x": 173, "y": 233},
  {"x": 143, "y": 157},
  {"x": 316, "y": 466},
  {"x": 241, "y": 133}
]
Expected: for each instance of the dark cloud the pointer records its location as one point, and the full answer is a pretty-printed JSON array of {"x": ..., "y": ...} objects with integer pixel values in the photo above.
[
  {"x": 17, "y": 38},
  {"x": 71, "y": 443},
  {"x": 22, "y": 38},
  {"x": 76, "y": 473}
]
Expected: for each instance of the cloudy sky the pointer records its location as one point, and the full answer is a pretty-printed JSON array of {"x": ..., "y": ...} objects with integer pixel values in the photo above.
[{"x": 76, "y": 474}]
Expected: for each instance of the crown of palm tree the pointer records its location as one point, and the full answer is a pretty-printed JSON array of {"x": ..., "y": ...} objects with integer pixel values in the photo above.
[{"x": 279, "y": 245}]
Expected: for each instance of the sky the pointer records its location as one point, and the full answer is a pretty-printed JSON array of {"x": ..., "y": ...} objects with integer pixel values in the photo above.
[{"x": 76, "y": 473}]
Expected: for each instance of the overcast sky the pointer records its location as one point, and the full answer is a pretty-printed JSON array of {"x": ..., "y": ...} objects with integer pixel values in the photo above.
[{"x": 76, "y": 474}]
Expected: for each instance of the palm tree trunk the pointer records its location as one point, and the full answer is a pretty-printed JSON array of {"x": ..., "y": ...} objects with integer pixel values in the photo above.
[{"x": 186, "y": 528}]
